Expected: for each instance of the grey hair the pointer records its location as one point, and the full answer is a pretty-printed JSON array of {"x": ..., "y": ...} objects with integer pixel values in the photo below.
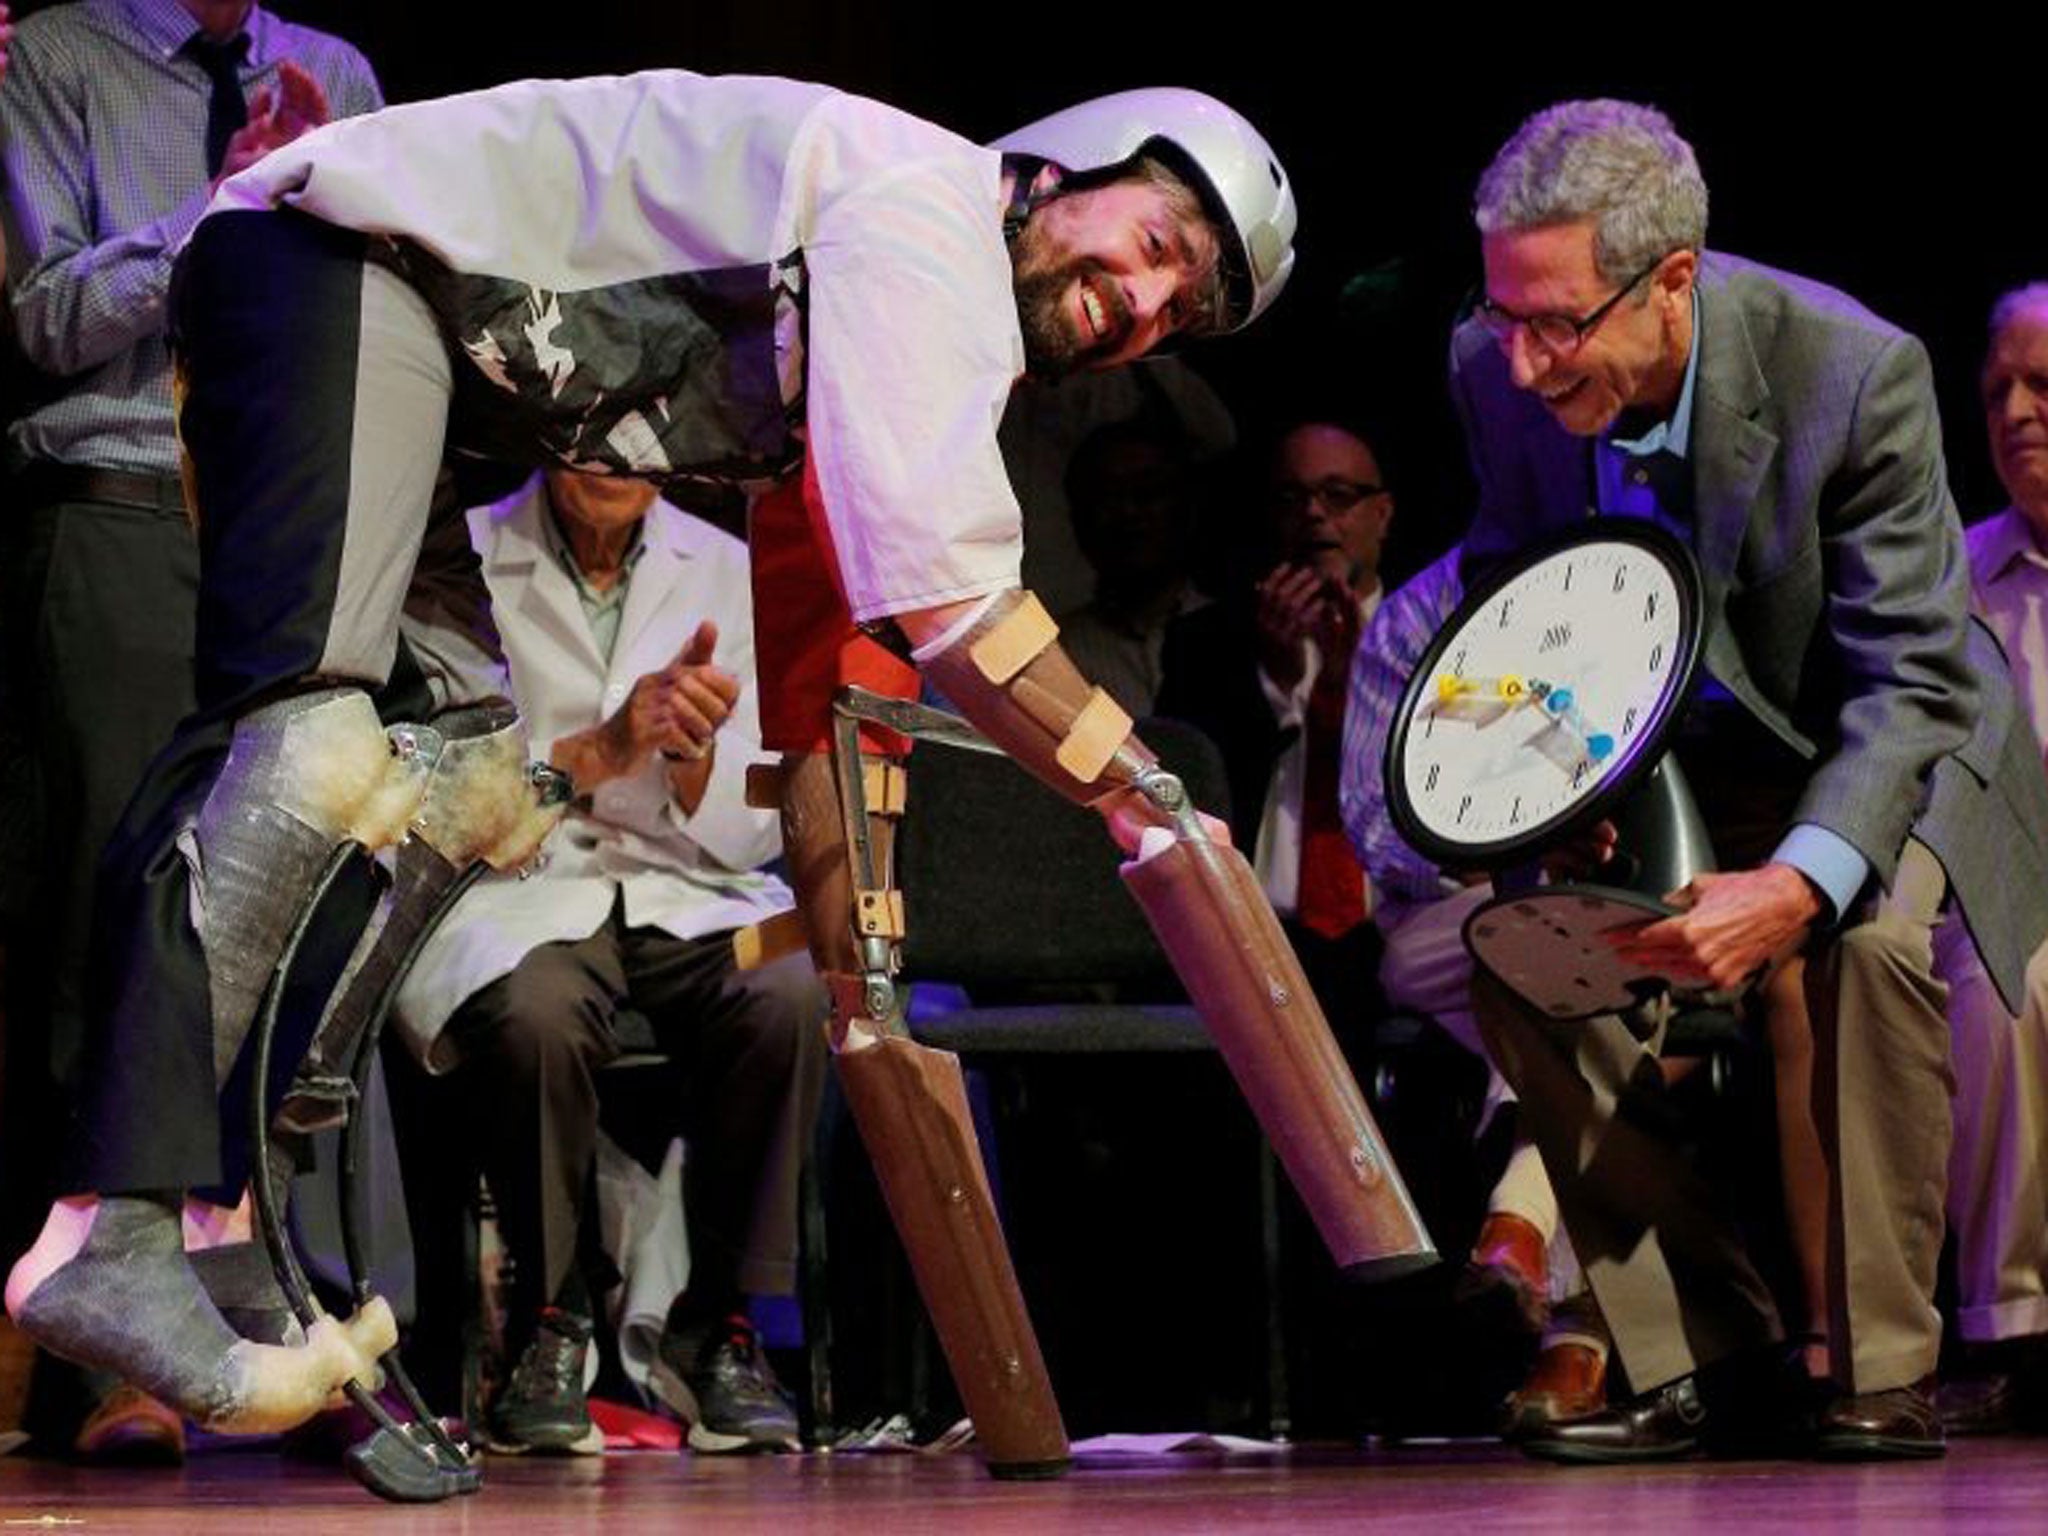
[
  {"x": 1615, "y": 162},
  {"x": 2013, "y": 301}
]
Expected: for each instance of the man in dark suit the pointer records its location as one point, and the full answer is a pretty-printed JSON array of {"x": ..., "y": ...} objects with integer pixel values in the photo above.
[{"x": 1853, "y": 738}]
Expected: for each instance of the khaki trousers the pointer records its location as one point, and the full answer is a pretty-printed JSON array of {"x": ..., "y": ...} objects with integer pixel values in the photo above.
[{"x": 1655, "y": 1233}]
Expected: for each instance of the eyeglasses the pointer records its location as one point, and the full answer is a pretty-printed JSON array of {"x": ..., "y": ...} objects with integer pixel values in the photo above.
[
  {"x": 1338, "y": 495},
  {"x": 1561, "y": 334}
]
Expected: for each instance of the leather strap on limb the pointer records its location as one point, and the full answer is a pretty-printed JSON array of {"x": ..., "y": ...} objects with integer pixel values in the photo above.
[
  {"x": 1008, "y": 675},
  {"x": 1205, "y": 905},
  {"x": 911, "y": 1106},
  {"x": 851, "y": 951}
]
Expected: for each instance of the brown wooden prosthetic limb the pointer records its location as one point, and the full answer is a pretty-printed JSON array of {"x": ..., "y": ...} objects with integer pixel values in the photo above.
[
  {"x": 910, "y": 1104},
  {"x": 1214, "y": 922},
  {"x": 1008, "y": 675}
]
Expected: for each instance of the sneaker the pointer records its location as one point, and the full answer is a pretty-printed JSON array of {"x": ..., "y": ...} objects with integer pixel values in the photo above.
[
  {"x": 717, "y": 1380},
  {"x": 542, "y": 1408}
]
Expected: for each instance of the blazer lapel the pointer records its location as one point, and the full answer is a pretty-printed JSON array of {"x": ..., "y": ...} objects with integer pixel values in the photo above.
[
  {"x": 522, "y": 572},
  {"x": 1731, "y": 449}
]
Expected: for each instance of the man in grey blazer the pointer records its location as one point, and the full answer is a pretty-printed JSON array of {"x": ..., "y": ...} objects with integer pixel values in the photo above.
[{"x": 1853, "y": 742}]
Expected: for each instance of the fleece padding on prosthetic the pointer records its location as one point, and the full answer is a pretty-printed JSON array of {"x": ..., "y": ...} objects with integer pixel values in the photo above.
[
  {"x": 128, "y": 1302},
  {"x": 1214, "y": 922},
  {"x": 911, "y": 1106},
  {"x": 301, "y": 777},
  {"x": 479, "y": 801}
]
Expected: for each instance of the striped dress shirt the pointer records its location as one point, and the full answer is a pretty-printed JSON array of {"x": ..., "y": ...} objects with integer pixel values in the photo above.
[{"x": 103, "y": 155}]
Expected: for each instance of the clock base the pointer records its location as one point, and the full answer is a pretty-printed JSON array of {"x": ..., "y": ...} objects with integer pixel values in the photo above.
[{"x": 1547, "y": 946}]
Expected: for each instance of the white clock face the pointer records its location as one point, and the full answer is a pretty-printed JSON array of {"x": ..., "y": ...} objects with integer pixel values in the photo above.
[{"x": 1550, "y": 689}]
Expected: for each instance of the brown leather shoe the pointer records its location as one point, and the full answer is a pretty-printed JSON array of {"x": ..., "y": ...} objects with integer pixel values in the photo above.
[
  {"x": 130, "y": 1428},
  {"x": 1509, "y": 1268},
  {"x": 1568, "y": 1381},
  {"x": 1664, "y": 1425},
  {"x": 1899, "y": 1422},
  {"x": 1980, "y": 1405}
]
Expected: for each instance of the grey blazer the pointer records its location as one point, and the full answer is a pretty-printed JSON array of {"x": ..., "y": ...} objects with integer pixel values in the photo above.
[{"x": 1837, "y": 596}]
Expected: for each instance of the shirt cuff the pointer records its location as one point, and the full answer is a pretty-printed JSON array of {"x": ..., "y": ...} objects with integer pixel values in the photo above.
[{"x": 1830, "y": 861}]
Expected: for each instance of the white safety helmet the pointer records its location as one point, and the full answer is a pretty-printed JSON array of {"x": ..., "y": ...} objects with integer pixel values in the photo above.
[{"x": 1222, "y": 157}]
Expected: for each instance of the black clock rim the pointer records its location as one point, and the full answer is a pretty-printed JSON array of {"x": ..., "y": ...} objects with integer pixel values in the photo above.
[{"x": 1505, "y": 852}]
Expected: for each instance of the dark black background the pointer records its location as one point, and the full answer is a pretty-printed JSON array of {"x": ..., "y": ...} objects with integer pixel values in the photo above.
[{"x": 1906, "y": 166}]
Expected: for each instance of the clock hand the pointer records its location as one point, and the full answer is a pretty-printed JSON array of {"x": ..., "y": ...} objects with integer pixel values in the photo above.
[
  {"x": 1559, "y": 704},
  {"x": 1513, "y": 690},
  {"x": 1505, "y": 689}
]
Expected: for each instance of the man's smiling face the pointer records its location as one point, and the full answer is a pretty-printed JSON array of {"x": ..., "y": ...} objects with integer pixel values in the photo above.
[
  {"x": 1633, "y": 359},
  {"x": 1106, "y": 274}
]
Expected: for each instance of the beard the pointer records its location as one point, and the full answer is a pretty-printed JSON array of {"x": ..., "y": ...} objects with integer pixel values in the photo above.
[{"x": 1042, "y": 281}]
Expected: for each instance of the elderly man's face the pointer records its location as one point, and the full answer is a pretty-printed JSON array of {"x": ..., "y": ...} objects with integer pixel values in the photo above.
[
  {"x": 1105, "y": 275},
  {"x": 1329, "y": 504},
  {"x": 601, "y": 503},
  {"x": 1633, "y": 359},
  {"x": 2016, "y": 411}
]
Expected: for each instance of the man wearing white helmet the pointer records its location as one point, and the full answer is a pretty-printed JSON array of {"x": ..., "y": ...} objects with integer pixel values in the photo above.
[{"x": 686, "y": 279}]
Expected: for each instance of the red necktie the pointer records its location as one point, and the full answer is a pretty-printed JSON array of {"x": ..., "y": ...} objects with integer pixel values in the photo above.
[{"x": 1330, "y": 899}]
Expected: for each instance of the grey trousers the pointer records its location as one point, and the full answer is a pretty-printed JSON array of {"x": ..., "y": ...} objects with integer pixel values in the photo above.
[
  {"x": 315, "y": 416},
  {"x": 1998, "y": 1170}
]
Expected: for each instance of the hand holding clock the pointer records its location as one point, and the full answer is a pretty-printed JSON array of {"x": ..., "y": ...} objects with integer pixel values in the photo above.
[{"x": 1733, "y": 925}]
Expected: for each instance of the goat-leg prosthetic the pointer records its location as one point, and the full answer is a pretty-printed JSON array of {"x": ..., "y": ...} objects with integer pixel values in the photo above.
[
  {"x": 1008, "y": 675},
  {"x": 303, "y": 776},
  {"x": 910, "y": 1104},
  {"x": 479, "y": 805}
]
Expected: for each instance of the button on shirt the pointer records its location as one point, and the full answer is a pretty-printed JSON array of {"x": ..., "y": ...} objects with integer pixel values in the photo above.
[{"x": 1650, "y": 476}]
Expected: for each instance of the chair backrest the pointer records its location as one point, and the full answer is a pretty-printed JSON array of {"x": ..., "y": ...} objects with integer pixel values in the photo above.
[{"x": 1011, "y": 891}]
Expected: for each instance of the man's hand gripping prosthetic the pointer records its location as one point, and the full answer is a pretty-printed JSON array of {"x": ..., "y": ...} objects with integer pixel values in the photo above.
[{"x": 1008, "y": 675}]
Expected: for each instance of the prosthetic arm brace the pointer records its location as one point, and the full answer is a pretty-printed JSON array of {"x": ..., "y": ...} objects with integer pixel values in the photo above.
[
  {"x": 909, "y": 1101},
  {"x": 1007, "y": 674}
]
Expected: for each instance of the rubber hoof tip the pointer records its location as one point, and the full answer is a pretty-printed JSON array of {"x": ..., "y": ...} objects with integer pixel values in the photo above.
[
  {"x": 409, "y": 1468},
  {"x": 1030, "y": 1471}
]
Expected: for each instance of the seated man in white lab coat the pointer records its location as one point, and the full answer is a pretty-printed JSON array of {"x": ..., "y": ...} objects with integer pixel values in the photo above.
[{"x": 629, "y": 631}]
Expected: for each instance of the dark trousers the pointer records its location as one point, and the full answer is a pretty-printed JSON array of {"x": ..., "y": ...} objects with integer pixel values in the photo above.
[
  {"x": 99, "y": 620},
  {"x": 748, "y": 1052}
]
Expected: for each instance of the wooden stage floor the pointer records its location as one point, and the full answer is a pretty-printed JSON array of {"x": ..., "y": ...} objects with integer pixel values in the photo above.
[{"x": 1462, "y": 1490}]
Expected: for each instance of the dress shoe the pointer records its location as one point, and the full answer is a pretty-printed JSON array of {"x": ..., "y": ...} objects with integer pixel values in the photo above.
[
  {"x": 1509, "y": 1271},
  {"x": 129, "y": 1428},
  {"x": 1664, "y": 1425},
  {"x": 2000, "y": 1388},
  {"x": 1568, "y": 1381},
  {"x": 1895, "y": 1424}
]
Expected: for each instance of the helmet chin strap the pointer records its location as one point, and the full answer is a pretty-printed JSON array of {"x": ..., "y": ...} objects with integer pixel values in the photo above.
[{"x": 1024, "y": 171}]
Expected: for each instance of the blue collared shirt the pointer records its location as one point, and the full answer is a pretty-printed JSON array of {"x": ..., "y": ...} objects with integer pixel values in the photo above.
[{"x": 1649, "y": 476}]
